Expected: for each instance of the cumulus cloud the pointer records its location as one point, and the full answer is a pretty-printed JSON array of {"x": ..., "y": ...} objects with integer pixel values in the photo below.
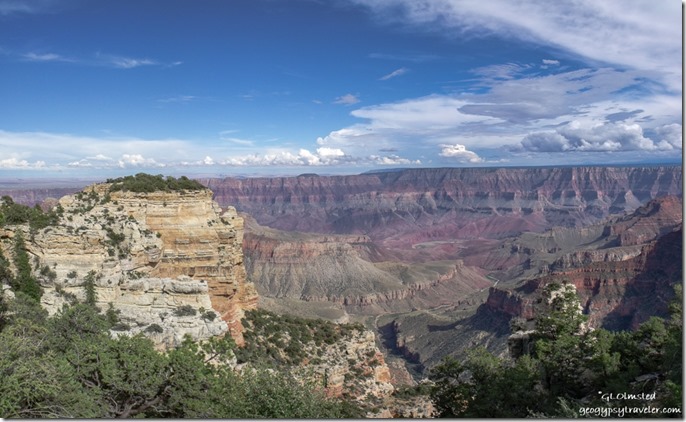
[
  {"x": 460, "y": 153},
  {"x": 393, "y": 74},
  {"x": 15, "y": 163},
  {"x": 304, "y": 157},
  {"x": 323, "y": 156},
  {"x": 670, "y": 135},
  {"x": 125, "y": 161},
  {"x": 601, "y": 138},
  {"x": 347, "y": 99},
  {"x": 137, "y": 160},
  {"x": 330, "y": 152},
  {"x": 392, "y": 160},
  {"x": 80, "y": 151}
]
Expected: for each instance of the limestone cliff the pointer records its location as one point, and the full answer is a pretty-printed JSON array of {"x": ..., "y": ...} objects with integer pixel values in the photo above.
[{"x": 170, "y": 262}]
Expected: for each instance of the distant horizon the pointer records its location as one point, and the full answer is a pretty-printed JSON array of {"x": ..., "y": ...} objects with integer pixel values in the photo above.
[{"x": 260, "y": 87}]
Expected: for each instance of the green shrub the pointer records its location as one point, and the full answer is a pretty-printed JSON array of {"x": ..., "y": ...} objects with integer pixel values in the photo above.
[
  {"x": 120, "y": 326},
  {"x": 209, "y": 316},
  {"x": 185, "y": 310},
  {"x": 154, "y": 328}
]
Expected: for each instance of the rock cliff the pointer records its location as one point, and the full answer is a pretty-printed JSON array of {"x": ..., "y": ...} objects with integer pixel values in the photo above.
[
  {"x": 169, "y": 262},
  {"x": 417, "y": 205},
  {"x": 341, "y": 270},
  {"x": 622, "y": 277},
  {"x": 623, "y": 270}
]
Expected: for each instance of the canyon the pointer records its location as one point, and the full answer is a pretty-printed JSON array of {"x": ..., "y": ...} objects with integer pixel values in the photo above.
[
  {"x": 440, "y": 260},
  {"x": 436, "y": 261},
  {"x": 169, "y": 265}
]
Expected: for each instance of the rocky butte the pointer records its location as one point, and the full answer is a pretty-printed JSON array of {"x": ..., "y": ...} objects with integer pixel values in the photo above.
[{"x": 170, "y": 262}]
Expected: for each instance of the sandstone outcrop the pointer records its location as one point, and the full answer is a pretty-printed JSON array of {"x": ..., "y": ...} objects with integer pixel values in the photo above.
[{"x": 169, "y": 262}]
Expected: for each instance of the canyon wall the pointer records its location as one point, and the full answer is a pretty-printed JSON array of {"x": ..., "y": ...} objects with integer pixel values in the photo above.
[
  {"x": 409, "y": 206},
  {"x": 339, "y": 270},
  {"x": 622, "y": 277}
]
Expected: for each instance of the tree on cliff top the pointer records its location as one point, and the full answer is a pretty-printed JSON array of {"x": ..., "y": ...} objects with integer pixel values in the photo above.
[{"x": 146, "y": 183}]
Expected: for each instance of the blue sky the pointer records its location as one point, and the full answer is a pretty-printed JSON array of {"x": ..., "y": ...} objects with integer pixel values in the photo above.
[{"x": 247, "y": 87}]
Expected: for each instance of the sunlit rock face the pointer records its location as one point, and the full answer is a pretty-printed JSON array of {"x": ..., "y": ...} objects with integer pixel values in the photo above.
[{"x": 170, "y": 263}]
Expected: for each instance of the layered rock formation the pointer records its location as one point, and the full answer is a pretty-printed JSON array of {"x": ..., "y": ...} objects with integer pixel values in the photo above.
[
  {"x": 167, "y": 261},
  {"x": 623, "y": 276},
  {"x": 340, "y": 270},
  {"x": 623, "y": 270},
  {"x": 401, "y": 208}
]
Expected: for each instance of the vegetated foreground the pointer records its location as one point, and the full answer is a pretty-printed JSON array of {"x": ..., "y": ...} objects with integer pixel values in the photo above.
[{"x": 535, "y": 293}]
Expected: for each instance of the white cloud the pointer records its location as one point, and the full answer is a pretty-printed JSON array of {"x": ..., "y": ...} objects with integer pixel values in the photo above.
[
  {"x": 550, "y": 62},
  {"x": 499, "y": 72},
  {"x": 15, "y": 163},
  {"x": 670, "y": 135},
  {"x": 70, "y": 150},
  {"x": 396, "y": 126},
  {"x": 100, "y": 157},
  {"x": 531, "y": 111},
  {"x": 178, "y": 99},
  {"x": 330, "y": 152},
  {"x": 395, "y": 73},
  {"x": 238, "y": 141},
  {"x": 640, "y": 34},
  {"x": 128, "y": 62},
  {"x": 619, "y": 136},
  {"x": 531, "y": 98},
  {"x": 10, "y": 7},
  {"x": 45, "y": 57},
  {"x": 321, "y": 157},
  {"x": 460, "y": 153},
  {"x": 392, "y": 160},
  {"x": 347, "y": 99},
  {"x": 137, "y": 160},
  {"x": 82, "y": 163}
]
